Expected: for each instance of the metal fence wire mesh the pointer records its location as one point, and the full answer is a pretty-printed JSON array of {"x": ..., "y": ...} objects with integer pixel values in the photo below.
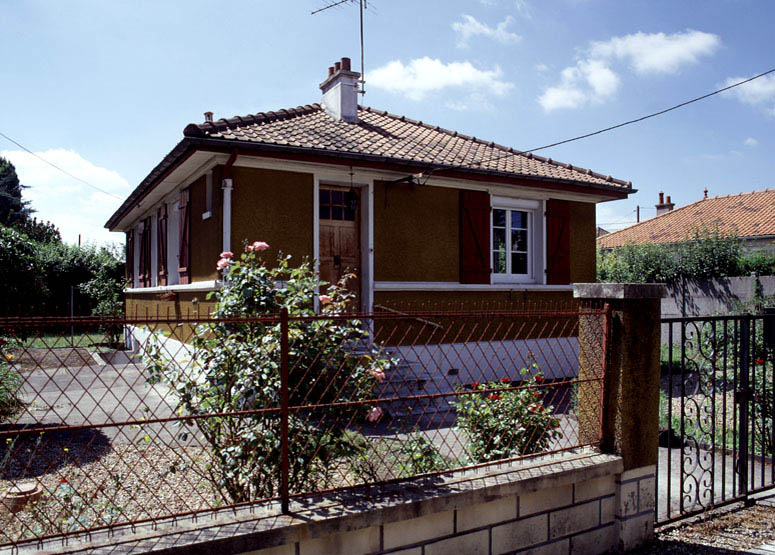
[{"x": 104, "y": 423}]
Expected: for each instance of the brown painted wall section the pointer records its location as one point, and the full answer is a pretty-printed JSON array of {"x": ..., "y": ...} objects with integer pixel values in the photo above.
[
  {"x": 582, "y": 242},
  {"x": 276, "y": 207},
  {"x": 415, "y": 233},
  {"x": 205, "y": 235}
]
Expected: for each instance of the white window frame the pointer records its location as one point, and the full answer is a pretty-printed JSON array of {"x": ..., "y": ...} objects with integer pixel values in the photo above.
[{"x": 534, "y": 239}]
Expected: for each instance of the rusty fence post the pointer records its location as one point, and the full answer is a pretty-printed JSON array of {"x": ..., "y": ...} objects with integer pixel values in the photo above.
[{"x": 284, "y": 410}]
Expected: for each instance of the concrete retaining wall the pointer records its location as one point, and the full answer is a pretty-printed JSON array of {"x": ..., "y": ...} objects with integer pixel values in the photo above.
[{"x": 712, "y": 296}]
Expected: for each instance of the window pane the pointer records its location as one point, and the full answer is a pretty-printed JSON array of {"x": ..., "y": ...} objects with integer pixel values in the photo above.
[
  {"x": 324, "y": 196},
  {"x": 519, "y": 240},
  {"x": 499, "y": 262},
  {"x": 336, "y": 212},
  {"x": 349, "y": 214},
  {"x": 518, "y": 263},
  {"x": 336, "y": 197},
  {"x": 518, "y": 219},
  {"x": 498, "y": 239},
  {"x": 325, "y": 212},
  {"x": 499, "y": 218}
]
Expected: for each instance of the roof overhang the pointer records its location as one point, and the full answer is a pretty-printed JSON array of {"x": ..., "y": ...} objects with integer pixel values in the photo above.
[{"x": 195, "y": 153}]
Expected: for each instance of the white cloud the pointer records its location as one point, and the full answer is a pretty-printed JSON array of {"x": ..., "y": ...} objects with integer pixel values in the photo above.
[
  {"x": 71, "y": 205},
  {"x": 751, "y": 142},
  {"x": 594, "y": 80},
  {"x": 587, "y": 81},
  {"x": 423, "y": 76},
  {"x": 524, "y": 9},
  {"x": 759, "y": 93},
  {"x": 471, "y": 27},
  {"x": 657, "y": 52}
]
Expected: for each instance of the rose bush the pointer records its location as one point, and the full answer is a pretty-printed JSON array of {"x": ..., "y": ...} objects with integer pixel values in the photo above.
[
  {"x": 503, "y": 421},
  {"x": 235, "y": 367}
]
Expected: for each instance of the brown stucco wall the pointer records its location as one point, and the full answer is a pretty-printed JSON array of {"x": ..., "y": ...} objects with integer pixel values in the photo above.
[
  {"x": 205, "y": 235},
  {"x": 276, "y": 207},
  {"x": 415, "y": 233},
  {"x": 582, "y": 242}
]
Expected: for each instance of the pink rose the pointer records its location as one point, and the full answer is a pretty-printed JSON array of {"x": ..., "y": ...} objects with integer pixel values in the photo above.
[
  {"x": 227, "y": 254},
  {"x": 258, "y": 246},
  {"x": 324, "y": 299},
  {"x": 374, "y": 414},
  {"x": 223, "y": 263},
  {"x": 378, "y": 374}
]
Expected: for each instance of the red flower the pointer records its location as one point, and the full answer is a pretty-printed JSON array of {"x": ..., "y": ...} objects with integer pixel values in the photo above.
[
  {"x": 494, "y": 397},
  {"x": 759, "y": 361},
  {"x": 63, "y": 481},
  {"x": 540, "y": 379},
  {"x": 537, "y": 394},
  {"x": 505, "y": 379},
  {"x": 475, "y": 385},
  {"x": 534, "y": 407}
]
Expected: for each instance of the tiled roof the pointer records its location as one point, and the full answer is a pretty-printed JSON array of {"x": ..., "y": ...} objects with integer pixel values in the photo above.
[
  {"x": 380, "y": 133},
  {"x": 745, "y": 214}
]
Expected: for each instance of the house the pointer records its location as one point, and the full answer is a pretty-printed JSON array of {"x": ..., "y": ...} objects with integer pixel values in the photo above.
[
  {"x": 750, "y": 216},
  {"x": 423, "y": 213}
]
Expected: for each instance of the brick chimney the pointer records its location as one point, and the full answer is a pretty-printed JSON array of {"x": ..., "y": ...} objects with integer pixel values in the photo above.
[
  {"x": 664, "y": 207},
  {"x": 340, "y": 92}
]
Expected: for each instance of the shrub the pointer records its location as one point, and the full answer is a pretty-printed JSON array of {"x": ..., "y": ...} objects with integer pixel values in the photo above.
[
  {"x": 10, "y": 383},
  {"x": 235, "y": 366},
  {"x": 20, "y": 273},
  {"x": 503, "y": 421}
]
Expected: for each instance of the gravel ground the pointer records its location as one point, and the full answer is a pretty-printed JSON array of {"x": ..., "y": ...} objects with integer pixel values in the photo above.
[
  {"x": 128, "y": 482},
  {"x": 729, "y": 530}
]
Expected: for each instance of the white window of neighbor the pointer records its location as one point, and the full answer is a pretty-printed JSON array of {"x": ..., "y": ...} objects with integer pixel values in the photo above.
[
  {"x": 516, "y": 237},
  {"x": 208, "y": 195}
]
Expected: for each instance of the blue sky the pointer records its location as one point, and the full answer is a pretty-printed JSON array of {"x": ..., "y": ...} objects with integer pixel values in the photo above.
[{"x": 104, "y": 89}]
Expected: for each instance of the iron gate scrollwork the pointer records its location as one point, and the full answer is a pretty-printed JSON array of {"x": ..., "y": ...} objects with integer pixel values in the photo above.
[{"x": 716, "y": 413}]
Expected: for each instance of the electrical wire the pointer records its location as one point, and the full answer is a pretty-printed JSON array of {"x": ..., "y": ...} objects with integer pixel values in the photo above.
[
  {"x": 60, "y": 169},
  {"x": 599, "y": 131}
]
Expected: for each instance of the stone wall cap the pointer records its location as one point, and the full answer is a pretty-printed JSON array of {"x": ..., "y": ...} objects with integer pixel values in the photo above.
[{"x": 619, "y": 290}]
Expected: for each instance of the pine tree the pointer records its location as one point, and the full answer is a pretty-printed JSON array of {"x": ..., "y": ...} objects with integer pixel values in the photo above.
[{"x": 12, "y": 208}]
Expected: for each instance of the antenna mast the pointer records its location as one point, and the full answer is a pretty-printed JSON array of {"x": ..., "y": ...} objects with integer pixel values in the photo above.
[{"x": 363, "y": 6}]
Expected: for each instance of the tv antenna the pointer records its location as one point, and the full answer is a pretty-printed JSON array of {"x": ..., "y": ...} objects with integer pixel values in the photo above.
[{"x": 363, "y": 6}]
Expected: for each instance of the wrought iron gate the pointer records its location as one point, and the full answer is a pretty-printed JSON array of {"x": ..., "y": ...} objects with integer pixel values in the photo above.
[{"x": 716, "y": 412}]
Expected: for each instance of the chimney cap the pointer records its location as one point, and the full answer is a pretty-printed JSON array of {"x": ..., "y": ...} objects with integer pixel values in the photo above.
[
  {"x": 208, "y": 116},
  {"x": 346, "y": 64}
]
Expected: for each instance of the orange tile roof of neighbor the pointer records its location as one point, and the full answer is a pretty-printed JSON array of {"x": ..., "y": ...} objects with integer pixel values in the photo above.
[{"x": 745, "y": 214}]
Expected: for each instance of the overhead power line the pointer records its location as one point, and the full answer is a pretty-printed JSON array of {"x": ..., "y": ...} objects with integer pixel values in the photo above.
[
  {"x": 60, "y": 169},
  {"x": 427, "y": 175}
]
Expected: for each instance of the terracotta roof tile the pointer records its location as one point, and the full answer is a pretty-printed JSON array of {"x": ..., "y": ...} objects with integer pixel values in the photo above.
[
  {"x": 745, "y": 214},
  {"x": 395, "y": 137}
]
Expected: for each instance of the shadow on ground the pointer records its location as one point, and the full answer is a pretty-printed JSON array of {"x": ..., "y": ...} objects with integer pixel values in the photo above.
[{"x": 29, "y": 455}]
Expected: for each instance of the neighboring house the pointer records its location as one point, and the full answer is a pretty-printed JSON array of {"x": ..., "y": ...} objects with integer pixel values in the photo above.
[
  {"x": 750, "y": 216},
  {"x": 424, "y": 214}
]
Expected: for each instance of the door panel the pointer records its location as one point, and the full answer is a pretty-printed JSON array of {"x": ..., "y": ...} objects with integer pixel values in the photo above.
[{"x": 340, "y": 248}]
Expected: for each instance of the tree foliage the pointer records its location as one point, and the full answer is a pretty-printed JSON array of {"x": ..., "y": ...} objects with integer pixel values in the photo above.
[
  {"x": 12, "y": 208},
  {"x": 705, "y": 253}
]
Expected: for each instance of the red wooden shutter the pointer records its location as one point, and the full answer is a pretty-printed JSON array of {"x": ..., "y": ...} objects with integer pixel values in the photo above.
[
  {"x": 474, "y": 237},
  {"x": 184, "y": 248},
  {"x": 130, "y": 257},
  {"x": 145, "y": 254},
  {"x": 557, "y": 242},
  {"x": 161, "y": 243}
]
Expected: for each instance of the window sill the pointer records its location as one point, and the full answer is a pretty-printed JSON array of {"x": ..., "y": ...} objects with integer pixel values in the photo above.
[
  {"x": 455, "y": 286},
  {"x": 196, "y": 286}
]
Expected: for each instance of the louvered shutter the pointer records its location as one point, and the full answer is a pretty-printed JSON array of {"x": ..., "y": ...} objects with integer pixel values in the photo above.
[
  {"x": 130, "y": 257},
  {"x": 161, "y": 243},
  {"x": 474, "y": 237},
  {"x": 557, "y": 242},
  {"x": 184, "y": 247}
]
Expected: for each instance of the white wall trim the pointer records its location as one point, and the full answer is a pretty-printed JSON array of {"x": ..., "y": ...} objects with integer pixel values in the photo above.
[
  {"x": 454, "y": 286},
  {"x": 209, "y": 285}
]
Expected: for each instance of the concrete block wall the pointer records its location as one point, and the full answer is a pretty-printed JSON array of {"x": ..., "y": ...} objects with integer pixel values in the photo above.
[
  {"x": 635, "y": 502},
  {"x": 585, "y": 516}
]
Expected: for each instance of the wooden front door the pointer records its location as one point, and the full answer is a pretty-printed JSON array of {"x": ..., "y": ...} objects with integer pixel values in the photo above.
[{"x": 340, "y": 245}]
